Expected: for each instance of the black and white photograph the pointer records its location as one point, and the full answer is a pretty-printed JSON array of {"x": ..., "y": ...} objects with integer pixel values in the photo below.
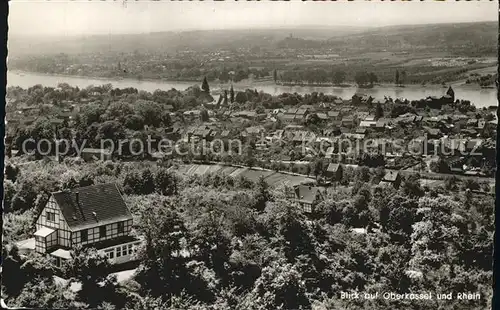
[{"x": 250, "y": 155}]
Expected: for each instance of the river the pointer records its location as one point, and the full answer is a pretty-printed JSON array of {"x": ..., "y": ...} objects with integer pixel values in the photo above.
[{"x": 479, "y": 97}]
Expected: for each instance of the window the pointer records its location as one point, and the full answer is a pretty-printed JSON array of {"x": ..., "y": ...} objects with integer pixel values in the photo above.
[
  {"x": 110, "y": 253},
  {"x": 84, "y": 235},
  {"x": 307, "y": 208},
  {"x": 130, "y": 250},
  {"x": 120, "y": 227},
  {"x": 124, "y": 250},
  {"x": 102, "y": 232},
  {"x": 51, "y": 216},
  {"x": 118, "y": 252}
]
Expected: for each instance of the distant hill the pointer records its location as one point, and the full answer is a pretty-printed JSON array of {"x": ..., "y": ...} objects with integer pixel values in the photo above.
[
  {"x": 478, "y": 36},
  {"x": 462, "y": 36}
]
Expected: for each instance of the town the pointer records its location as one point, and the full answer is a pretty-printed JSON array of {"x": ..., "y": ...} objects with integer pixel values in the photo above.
[
  {"x": 307, "y": 148},
  {"x": 435, "y": 137},
  {"x": 182, "y": 155}
]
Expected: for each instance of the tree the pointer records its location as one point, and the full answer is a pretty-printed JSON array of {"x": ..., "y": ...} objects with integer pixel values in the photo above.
[
  {"x": 225, "y": 98},
  {"x": 25, "y": 197},
  {"x": 469, "y": 184},
  {"x": 379, "y": 111},
  {"x": 397, "y": 78},
  {"x": 165, "y": 182},
  {"x": 163, "y": 269},
  {"x": 204, "y": 115},
  {"x": 280, "y": 286},
  {"x": 451, "y": 93},
  {"x": 11, "y": 172},
  {"x": 434, "y": 236},
  {"x": 148, "y": 182},
  {"x": 319, "y": 168},
  {"x": 372, "y": 78},
  {"x": 91, "y": 269},
  {"x": 263, "y": 194},
  {"x": 339, "y": 77},
  {"x": 275, "y": 76},
  {"x": 211, "y": 241},
  {"x": 403, "y": 77},
  {"x": 46, "y": 294},
  {"x": 241, "y": 97},
  {"x": 401, "y": 218},
  {"x": 361, "y": 78},
  {"x": 412, "y": 188},
  {"x": 150, "y": 111},
  {"x": 204, "y": 86},
  {"x": 440, "y": 166},
  {"x": 231, "y": 94},
  {"x": 111, "y": 130}
]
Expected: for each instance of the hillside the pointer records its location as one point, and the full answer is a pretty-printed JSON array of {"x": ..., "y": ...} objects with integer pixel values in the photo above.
[{"x": 465, "y": 38}]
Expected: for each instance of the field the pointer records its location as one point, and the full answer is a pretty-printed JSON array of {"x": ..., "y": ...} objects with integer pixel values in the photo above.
[{"x": 271, "y": 177}]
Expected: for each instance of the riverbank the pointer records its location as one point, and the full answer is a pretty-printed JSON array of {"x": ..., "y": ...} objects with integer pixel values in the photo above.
[
  {"x": 476, "y": 95},
  {"x": 264, "y": 82}
]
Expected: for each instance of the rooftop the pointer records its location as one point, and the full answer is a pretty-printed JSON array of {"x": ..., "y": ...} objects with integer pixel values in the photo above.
[{"x": 92, "y": 206}]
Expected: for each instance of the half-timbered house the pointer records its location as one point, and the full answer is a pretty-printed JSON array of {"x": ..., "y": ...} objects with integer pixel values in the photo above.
[{"x": 95, "y": 216}]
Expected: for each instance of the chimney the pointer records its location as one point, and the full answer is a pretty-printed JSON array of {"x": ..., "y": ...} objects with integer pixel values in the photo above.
[{"x": 79, "y": 207}]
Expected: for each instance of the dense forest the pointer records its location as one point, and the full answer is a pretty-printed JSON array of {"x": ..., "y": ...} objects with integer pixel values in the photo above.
[{"x": 216, "y": 242}]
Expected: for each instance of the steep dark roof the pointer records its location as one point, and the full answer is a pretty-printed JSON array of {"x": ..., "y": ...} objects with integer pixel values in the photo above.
[
  {"x": 103, "y": 199},
  {"x": 391, "y": 176},
  {"x": 307, "y": 194},
  {"x": 332, "y": 167}
]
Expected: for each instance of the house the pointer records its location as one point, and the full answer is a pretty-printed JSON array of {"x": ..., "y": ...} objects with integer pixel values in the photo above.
[
  {"x": 95, "y": 216},
  {"x": 301, "y": 113},
  {"x": 28, "y": 121},
  {"x": 225, "y": 135},
  {"x": 334, "y": 115},
  {"x": 288, "y": 118},
  {"x": 307, "y": 107},
  {"x": 322, "y": 116},
  {"x": 307, "y": 196},
  {"x": 65, "y": 115},
  {"x": 361, "y": 99},
  {"x": 368, "y": 124},
  {"x": 361, "y": 130},
  {"x": 334, "y": 172},
  {"x": 90, "y": 154},
  {"x": 253, "y": 131},
  {"x": 192, "y": 114},
  {"x": 370, "y": 118},
  {"x": 433, "y": 133},
  {"x": 250, "y": 115},
  {"x": 472, "y": 122},
  {"x": 392, "y": 178},
  {"x": 173, "y": 133},
  {"x": 480, "y": 124},
  {"x": 362, "y": 115},
  {"x": 348, "y": 122},
  {"x": 380, "y": 125}
]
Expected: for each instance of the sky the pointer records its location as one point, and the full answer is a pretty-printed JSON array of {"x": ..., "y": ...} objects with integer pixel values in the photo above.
[{"x": 64, "y": 18}]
